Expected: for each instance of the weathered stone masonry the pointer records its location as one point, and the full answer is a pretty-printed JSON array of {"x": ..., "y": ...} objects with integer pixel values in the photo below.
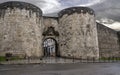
[
  {"x": 119, "y": 38},
  {"x": 50, "y": 26},
  {"x": 50, "y": 22},
  {"x": 20, "y": 29},
  {"x": 78, "y": 33},
  {"x": 23, "y": 30},
  {"x": 108, "y": 42}
]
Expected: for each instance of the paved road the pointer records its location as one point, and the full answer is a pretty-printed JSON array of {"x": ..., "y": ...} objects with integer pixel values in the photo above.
[{"x": 62, "y": 69}]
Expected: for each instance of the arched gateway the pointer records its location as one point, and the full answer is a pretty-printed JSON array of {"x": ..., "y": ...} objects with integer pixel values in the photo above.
[
  {"x": 50, "y": 47},
  {"x": 50, "y": 44},
  {"x": 26, "y": 33}
]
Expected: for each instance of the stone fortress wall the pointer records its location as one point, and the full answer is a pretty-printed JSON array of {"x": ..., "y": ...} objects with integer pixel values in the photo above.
[
  {"x": 108, "y": 41},
  {"x": 23, "y": 30},
  {"x": 20, "y": 29},
  {"x": 50, "y": 26},
  {"x": 119, "y": 38},
  {"x": 50, "y": 21},
  {"x": 78, "y": 33},
  {"x": 47, "y": 23}
]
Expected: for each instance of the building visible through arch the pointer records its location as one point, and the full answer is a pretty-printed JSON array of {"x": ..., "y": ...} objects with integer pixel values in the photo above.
[
  {"x": 50, "y": 47},
  {"x": 25, "y": 32}
]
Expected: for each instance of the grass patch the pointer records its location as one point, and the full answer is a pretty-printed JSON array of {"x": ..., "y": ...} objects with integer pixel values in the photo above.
[
  {"x": 3, "y": 58},
  {"x": 109, "y": 58},
  {"x": 16, "y": 58}
]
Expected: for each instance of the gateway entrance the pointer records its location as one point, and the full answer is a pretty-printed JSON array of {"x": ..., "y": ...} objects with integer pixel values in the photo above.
[{"x": 50, "y": 47}]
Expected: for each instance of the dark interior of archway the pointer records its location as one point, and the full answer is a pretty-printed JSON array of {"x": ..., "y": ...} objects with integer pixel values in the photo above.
[{"x": 50, "y": 47}]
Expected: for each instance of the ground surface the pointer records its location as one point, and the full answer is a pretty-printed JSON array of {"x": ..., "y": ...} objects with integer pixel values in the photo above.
[{"x": 62, "y": 69}]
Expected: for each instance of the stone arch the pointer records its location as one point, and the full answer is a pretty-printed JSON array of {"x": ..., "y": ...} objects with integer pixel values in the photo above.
[{"x": 50, "y": 47}]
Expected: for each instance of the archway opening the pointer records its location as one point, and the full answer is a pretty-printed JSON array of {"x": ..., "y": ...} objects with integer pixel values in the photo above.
[{"x": 50, "y": 47}]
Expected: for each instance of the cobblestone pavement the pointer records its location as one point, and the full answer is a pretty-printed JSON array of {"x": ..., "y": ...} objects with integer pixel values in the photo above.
[{"x": 62, "y": 69}]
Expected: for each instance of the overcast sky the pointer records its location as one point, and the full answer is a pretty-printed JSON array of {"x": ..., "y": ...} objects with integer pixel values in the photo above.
[{"x": 107, "y": 11}]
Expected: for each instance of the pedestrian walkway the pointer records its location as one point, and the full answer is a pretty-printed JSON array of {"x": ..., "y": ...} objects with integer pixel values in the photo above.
[
  {"x": 54, "y": 60},
  {"x": 38, "y": 61}
]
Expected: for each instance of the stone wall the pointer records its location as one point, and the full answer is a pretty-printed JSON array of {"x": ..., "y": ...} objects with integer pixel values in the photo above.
[
  {"x": 20, "y": 29},
  {"x": 119, "y": 38},
  {"x": 47, "y": 23},
  {"x": 78, "y": 33},
  {"x": 51, "y": 30},
  {"x": 50, "y": 21},
  {"x": 108, "y": 41},
  {"x": 23, "y": 30}
]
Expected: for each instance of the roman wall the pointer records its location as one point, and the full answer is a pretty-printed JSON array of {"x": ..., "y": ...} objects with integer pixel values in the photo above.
[
  {"x": 23, "y": 30},
  {"x": 47, "y": 23},
  {"x": 119, "y": 38},
  {"x": 78, "y": 33},
  {"x": 20, "y": 29},
  {"x": 108, "y": 41},
  {"x": 50, "y": 21},
  {"x": 50, "y": 30}
]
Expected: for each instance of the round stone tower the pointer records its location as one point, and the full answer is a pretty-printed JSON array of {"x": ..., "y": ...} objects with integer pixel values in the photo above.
[
  {"x": 78, "y": 33},
  {"x": 20, "y": 29}
]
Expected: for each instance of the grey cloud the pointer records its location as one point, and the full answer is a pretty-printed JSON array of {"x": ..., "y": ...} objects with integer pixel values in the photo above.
[
  {"x": 39, "y": 3},
  {"x": 52, "y": 7},
  {"x": 45, "y": 5},
  {"x": 103, "y": 8},
  {"x": 109, "y": 9},
  {"x": 73, "y": 2},
  {"x": 106, "y": 8}
]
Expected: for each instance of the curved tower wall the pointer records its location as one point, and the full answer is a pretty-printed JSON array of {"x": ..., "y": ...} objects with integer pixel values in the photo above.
[
  {"x": 78, "y": 33},
  {"x": 20, "y": 29}
]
